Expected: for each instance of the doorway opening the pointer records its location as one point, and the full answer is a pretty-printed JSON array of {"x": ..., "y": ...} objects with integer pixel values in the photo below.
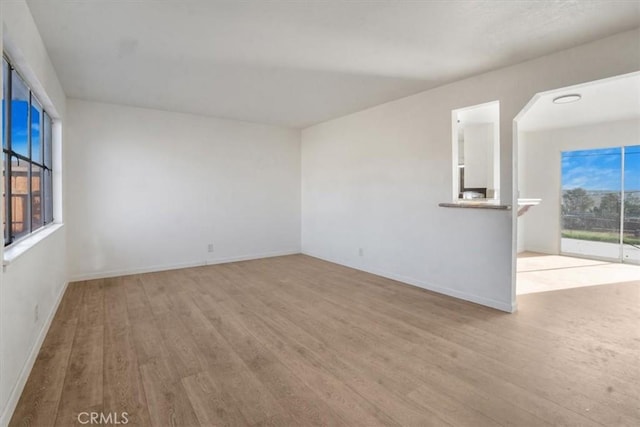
[{"x": 579, "y": 156}]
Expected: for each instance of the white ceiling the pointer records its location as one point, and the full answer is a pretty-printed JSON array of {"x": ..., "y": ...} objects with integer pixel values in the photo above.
[
  {"x": 602, "y": 101},
  {"x": 295, "y": 63}
]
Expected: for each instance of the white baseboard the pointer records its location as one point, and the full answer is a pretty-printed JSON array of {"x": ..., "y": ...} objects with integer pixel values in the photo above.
[
  {"x": 255, "y": 256},
  {"x": 18, "y": 387},
  {"x": 541, "y": 250},
  {"x": 177, "y": 266},
  {"x": 498, "y": 305}
]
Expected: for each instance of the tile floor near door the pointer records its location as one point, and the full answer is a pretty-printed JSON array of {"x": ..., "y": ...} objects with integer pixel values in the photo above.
[
  {"x": 542, "y": 273},
  {"x": 296, "y": 341}
]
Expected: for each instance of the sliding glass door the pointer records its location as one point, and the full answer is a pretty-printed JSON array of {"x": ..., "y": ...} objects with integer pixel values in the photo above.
[
  {"x": 631, "y": 226},
  {"x": 600, "y": 214}
]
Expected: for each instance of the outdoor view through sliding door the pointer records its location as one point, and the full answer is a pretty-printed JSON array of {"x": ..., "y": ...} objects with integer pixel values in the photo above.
[{"x": 600, "y": 204}]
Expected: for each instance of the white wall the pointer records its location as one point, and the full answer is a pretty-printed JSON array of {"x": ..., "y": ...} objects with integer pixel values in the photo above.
[
  {"x": 540, "y": 174},
  {"x": 478, "y": 155},
  {"x": 149, "y": 190},
  {"x": 37, "y": 277},
  {"x": 373, "y": 179}
]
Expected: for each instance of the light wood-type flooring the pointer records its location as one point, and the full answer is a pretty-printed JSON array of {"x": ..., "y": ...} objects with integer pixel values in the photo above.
[{"x": 296, "y": 341}]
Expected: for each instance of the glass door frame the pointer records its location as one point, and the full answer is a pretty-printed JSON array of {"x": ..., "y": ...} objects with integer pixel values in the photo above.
[{"x": 622, "y": 192}]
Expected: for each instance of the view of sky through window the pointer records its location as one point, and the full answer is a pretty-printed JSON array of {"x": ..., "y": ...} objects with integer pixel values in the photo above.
[
  {"x": 19, "y": 115},
  {"x": 600, "y": 169}
]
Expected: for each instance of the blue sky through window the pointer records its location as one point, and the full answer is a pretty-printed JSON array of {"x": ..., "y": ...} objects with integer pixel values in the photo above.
[
  {"x": 596, "y": 170},
  {"x": 632, "y": 168},
  {"x": 36, "y": 114},
  {"x": 599, "y": 169},
  {"x": 19, "y": 126}
]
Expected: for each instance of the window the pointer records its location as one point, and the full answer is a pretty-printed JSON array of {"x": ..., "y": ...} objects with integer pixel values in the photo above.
[{"x": 26, "y": 148}]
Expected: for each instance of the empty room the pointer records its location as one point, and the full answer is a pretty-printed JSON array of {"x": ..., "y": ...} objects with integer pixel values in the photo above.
[{"x": 320, "y": 213}]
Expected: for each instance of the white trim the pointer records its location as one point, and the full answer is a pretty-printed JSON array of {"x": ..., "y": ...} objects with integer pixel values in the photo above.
[
  {"x": 18, "y": 386},
  {"x": 177, "y": 266},
  {"x": 488, "y": 302},
  {"x": 591, "y": 257},
  {"x": 22, "y": 246},
  {"x": 540, "y": 250}
]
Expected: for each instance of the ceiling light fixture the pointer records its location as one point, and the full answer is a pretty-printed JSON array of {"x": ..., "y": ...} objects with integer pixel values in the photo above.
[{"x": 566, "y": 99}]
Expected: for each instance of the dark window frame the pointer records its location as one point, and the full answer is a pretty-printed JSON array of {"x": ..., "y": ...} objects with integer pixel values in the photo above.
[{"x": 46, "y": 200}]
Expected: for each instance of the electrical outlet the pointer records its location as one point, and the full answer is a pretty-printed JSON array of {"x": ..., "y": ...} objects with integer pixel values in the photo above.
[
  {"x": 360, "y": 251},
  {"x": 210, "y": 247},
  {"x": 36, "y": 313}
]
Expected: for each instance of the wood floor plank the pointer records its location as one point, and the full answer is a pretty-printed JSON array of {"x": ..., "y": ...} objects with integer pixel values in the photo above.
[
  {"x": 91, "y": 309},
  {"x": 138, "y": 308},
  {"x": 71, "y": 303},
  {"x": 82, "y": 390},
  {"x": 210, "y": 402},
  {"x": 148, "y": 342},
  {"x": 299, "y": 341},
  {"x": 301, "y": 402},
  {"x": 44, "y": 387},
  {"x": 167, "y": 400},
  {"x": 123, "y": 390},
  {"x": 237, "y": 382},
  {"x": 451, "y": 410},
  {"x": 182, "y": 348}
]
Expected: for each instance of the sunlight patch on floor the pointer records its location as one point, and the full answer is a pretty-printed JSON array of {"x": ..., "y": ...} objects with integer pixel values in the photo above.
[{"x": 542, "y": 273}]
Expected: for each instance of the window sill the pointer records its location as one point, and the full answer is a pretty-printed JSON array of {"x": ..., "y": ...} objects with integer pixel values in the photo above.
[{"x": 17, "y": 249}]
